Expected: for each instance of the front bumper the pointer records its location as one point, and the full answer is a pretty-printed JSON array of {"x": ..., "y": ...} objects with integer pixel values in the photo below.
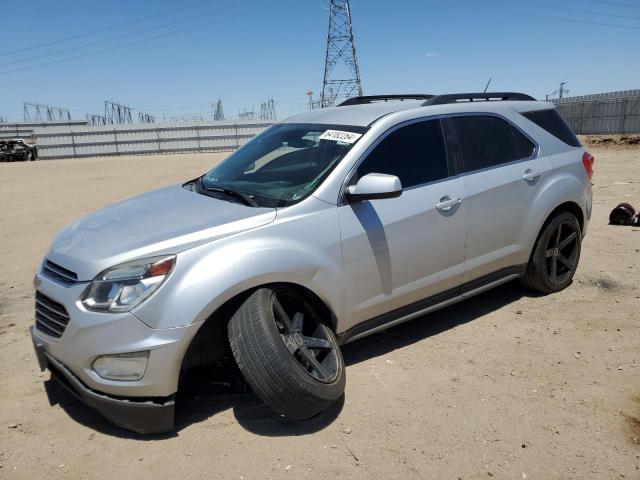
[
  {"x": 89, "y": 335},
  {"x": 142, "y": 415}
]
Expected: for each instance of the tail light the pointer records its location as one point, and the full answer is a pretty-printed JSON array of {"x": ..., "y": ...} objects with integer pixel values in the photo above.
[{"x": 587, "y": 161}]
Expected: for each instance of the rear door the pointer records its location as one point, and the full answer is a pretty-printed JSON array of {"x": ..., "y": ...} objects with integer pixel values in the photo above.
[
  {"x": 501, "y": 175},
  {"x": 400, "y": 250}
]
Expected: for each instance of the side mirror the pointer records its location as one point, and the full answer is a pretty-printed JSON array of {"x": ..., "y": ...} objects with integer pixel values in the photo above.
[{"x": 374, "y": 186}]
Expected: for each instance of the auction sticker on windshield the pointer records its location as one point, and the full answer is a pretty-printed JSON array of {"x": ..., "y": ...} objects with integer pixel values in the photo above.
[{"x": 340, "y": 136}]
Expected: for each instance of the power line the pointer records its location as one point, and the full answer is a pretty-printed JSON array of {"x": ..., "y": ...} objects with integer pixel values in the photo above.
[
  {"x": 100, "y": 42},
  {"x": 572, "y": 20},
  {"x": 567, "y": 9},
  {"x": 113, "y": 27},
  {"x": 67, "y": 59},
  {"x": 618, "y": 4}
]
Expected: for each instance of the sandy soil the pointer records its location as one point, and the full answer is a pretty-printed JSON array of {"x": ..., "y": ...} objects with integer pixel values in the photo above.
[{"x": 508, "y": 384}]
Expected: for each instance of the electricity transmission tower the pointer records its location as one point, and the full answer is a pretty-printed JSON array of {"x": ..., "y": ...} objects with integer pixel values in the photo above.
[
  {"x": 247, "y": 114},
  {"x": 36, "y": 112},
  {"x": 218, "y": 114},
  {"x": 145, "y": 118},
  {"x": 96, "y": 119},
  {"x": 116, "y": 113},
  {"x": 341, "y": 72},
  {"x": 268, "y": 110},
  {"x": 561, "y": 92}
]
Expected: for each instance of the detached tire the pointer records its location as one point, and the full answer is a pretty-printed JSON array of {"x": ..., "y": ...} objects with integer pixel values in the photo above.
[
  {"x": 286, "y": 353},
  {"x": 555, "y": 256}
]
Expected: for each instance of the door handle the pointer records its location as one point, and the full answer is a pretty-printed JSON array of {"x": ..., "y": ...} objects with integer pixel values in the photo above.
[
  {"x": 530, "y": 175},
  {"x": 446, "y": 203}
]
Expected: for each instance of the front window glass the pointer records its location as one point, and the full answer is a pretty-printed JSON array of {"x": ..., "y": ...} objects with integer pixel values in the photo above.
[
  {"x": 416, "y": 154},
  {"x": 285, "y": 163}
]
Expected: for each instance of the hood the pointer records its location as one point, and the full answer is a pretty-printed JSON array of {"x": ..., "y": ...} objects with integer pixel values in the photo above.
[{"x": 160, "y": 222}]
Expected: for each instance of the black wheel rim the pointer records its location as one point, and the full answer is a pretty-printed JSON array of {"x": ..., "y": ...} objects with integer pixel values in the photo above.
[
  {"x": 561, "y": 253},
  {"x": 308, "y": 340}
]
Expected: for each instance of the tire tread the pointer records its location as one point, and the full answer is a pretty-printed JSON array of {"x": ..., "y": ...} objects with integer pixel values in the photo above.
[{"x": 273, "y": 373}]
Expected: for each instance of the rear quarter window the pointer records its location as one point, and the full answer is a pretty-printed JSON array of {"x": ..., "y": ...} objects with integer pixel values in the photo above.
[
  {"x": 552, "y": 122},
  {"x": 524, "y": 146}
]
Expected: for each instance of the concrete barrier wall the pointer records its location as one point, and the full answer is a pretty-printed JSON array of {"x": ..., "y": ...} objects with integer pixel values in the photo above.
[
  {"x": 25, "y": 130},
  {"x": 603, "y": 114},
  {"x": 141, "y": 139}
]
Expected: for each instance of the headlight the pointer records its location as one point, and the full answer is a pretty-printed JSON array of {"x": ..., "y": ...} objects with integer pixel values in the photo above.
[
  {"x": 122, "y": 366},
  {"x": 120, "y": 288}
]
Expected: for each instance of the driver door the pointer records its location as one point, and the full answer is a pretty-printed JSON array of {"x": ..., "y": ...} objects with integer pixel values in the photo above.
[{"x": 399, "y": 251}]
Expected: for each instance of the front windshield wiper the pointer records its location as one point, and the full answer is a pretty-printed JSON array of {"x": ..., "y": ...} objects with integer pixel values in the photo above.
[{"x": 243, "y": 197}]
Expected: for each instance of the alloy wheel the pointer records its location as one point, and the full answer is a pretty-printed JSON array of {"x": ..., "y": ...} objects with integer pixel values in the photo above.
[
  {"x": 308, "y": 340},
  {"x": 561, "y": 253}
]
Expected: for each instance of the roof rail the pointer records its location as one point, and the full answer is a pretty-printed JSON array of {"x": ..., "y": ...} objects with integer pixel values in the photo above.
[
  {"x": 476, "y": 97},
  {"x": 363, "y": 99}
]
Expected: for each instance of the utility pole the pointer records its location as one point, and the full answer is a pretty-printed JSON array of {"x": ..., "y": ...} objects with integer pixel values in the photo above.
[
  {"x": 562, "y": 91},
  {"x": 341, "y": 71},
  {"x": 218, "y": 114}
]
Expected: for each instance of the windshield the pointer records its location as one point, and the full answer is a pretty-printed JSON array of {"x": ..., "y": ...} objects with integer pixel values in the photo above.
[{"x": 285, "y": 163}]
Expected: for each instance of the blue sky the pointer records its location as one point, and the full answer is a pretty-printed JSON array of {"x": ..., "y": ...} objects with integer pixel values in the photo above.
[{"x": 245, "y": 51}]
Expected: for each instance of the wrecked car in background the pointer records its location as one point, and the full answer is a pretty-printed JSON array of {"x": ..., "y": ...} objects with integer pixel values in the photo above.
[{"x": 16, "y": 150}]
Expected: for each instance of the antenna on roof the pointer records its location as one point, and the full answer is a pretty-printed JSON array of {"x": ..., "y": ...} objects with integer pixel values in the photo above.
[{"x": 487, "y": 86}]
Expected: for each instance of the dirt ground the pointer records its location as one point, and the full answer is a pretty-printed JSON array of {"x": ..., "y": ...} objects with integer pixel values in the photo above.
[{"x": 507, "y": 385}]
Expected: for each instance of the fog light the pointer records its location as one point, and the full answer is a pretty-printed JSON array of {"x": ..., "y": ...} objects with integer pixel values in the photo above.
[{"x": 122, "y": 366}]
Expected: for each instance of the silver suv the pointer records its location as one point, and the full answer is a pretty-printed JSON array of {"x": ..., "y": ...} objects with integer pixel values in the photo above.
[{"x": 329, "y": 226}]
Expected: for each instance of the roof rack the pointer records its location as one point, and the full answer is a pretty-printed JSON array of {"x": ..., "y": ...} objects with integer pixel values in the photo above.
[
  {"x": 476, "y": 97},
  {"x": 363, "y": 99}
]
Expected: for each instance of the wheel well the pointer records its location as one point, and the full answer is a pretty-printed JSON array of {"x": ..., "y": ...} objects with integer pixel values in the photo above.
[
  {"x": 570, "y": 207},
  {"x": 210, "y": 345}
]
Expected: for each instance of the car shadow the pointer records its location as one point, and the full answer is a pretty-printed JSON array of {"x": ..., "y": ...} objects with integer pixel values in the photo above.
[
  {"x": 434, "y": 323},
  {"x": 255, "y": 417}
]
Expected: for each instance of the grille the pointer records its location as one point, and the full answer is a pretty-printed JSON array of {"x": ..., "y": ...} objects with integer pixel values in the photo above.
[
  {"x": 58, "y": 273},
  {"x": 51, "y": 316}
]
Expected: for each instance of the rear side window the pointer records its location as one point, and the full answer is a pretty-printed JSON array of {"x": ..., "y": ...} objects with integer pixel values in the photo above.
[
  {"x": 485, "y": 141},
  {"x": 524, "y": 146},
  {"x": 552, "y": 122},
  {"x": 416, "y": 154}
]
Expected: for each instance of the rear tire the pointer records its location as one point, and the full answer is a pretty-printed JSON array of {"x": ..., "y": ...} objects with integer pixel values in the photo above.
[
  {"x": 555, "y": 256},
  {"x": 286, "y": 353}
]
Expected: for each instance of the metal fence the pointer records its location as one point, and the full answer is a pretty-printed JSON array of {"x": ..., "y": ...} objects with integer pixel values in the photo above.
[
  {"x": 603, "y": 113},
  {"x": 141, "y": 139}
]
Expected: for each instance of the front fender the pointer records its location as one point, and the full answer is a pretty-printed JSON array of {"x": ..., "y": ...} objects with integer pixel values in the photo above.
[{"x": 206, "y": 277}]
